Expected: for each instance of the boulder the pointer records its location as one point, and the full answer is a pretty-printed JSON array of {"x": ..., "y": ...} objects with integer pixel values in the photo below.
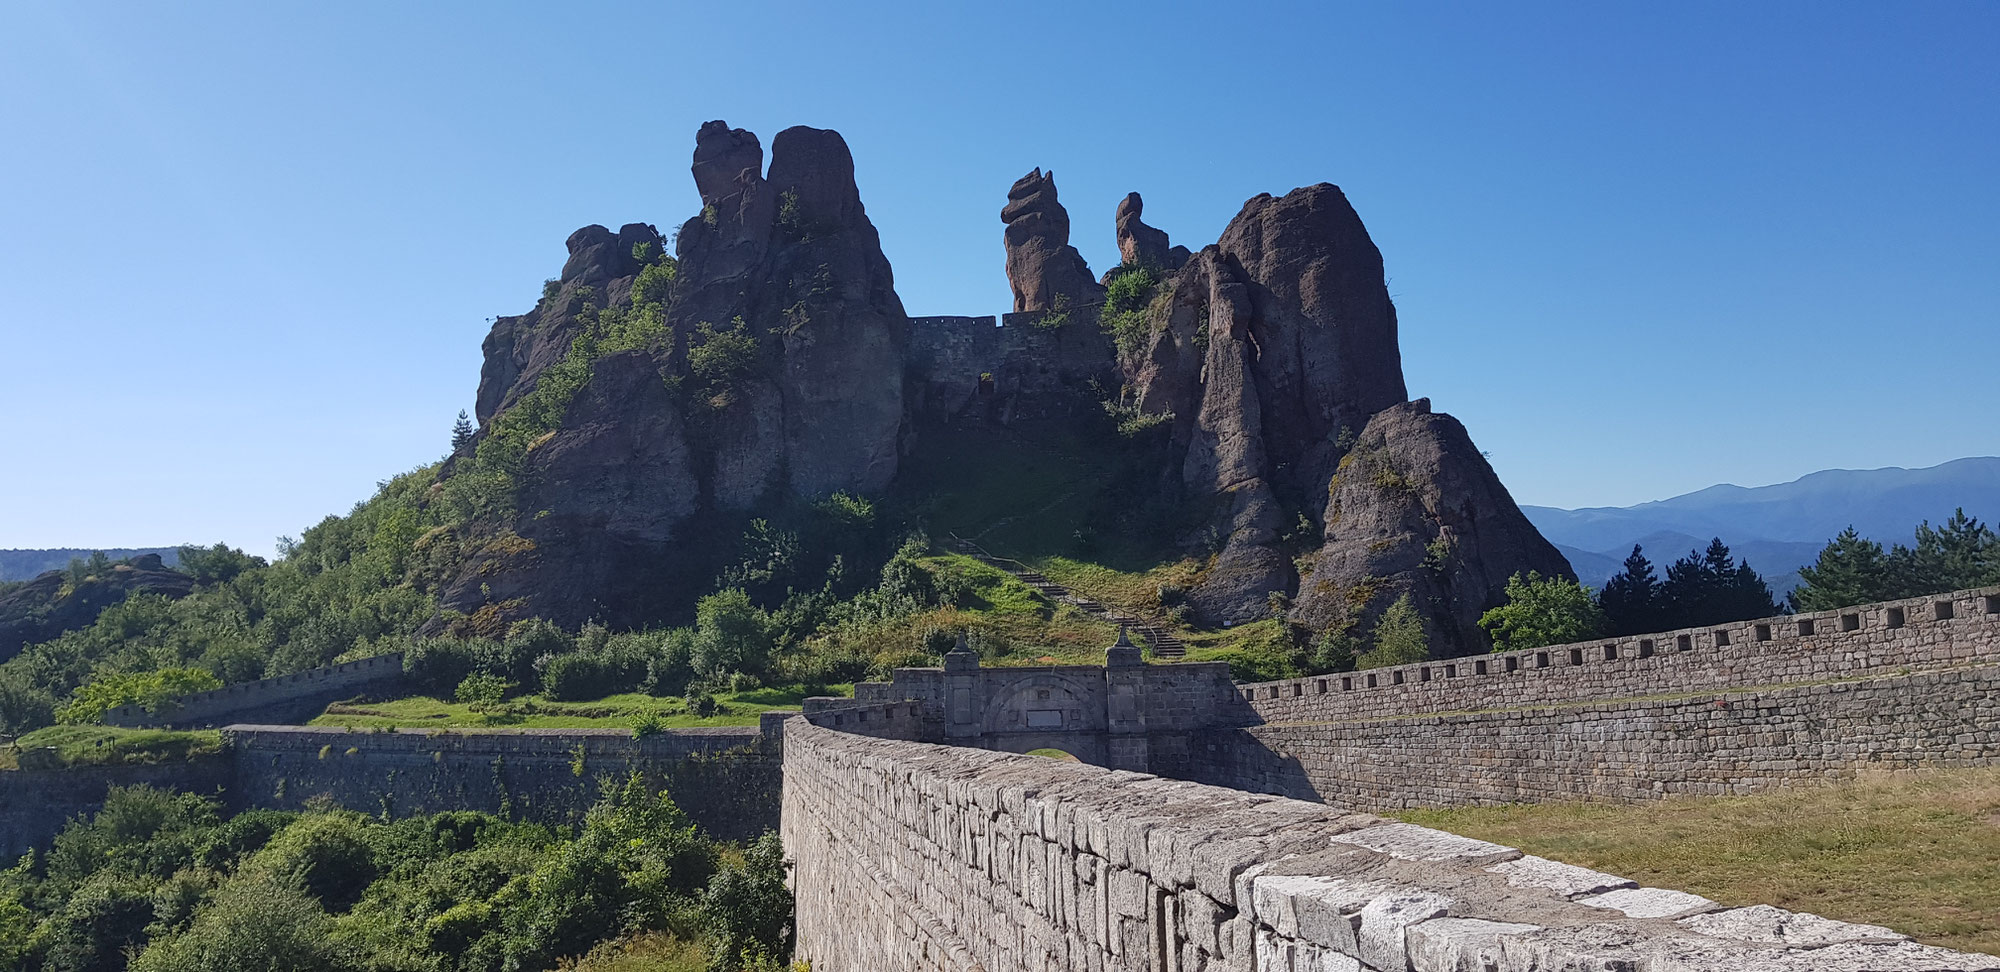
[
  {"x": 1042, "y": 268},
  {"x": 45, "y": 607}
]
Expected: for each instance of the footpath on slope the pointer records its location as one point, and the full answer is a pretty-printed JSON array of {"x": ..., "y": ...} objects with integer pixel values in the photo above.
[{"x": 1163, "y": 645}]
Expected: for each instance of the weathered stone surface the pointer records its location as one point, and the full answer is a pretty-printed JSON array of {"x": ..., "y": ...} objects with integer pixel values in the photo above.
[
  {"x": 1767, "y": 925},
  {"x": 1461, "y": 944},
  {"x": 1415, "y": 510},
  {"x": 1409, "y": 842},
  {"x": 1042, "y": 268},
  {"x": 1567, "y": 880},
  {"x": 1649, "y": 902}
]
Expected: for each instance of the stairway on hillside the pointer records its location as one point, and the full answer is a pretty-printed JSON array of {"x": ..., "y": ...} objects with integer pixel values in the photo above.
[{"x": 1163, "y": 645}]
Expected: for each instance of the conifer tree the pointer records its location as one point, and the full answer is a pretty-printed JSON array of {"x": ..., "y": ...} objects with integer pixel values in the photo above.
[
  {"x": 1710, "y": 587},
  {"x": 1630, "y": 599},
  {"x": 461, "y": 431}
]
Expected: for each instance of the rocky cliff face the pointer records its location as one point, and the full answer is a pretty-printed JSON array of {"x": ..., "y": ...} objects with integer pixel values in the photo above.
[
  {"x": 1041, "y": 265},
  {"x": 780, "y": 373},
  {"x": 1276, "y": 351}
]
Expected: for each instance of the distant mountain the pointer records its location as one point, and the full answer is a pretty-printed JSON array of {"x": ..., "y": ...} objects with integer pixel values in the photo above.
[
  {"x": 1777, "y": 528},
  {"x": 26, "y": 564}
]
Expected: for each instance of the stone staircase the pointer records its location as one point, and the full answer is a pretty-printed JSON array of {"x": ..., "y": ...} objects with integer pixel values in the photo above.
[{"x": 1160, "y": 643}]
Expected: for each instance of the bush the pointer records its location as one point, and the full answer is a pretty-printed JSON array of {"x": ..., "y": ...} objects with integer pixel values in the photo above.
[
  {"x": 730, "y": 635},
  {"x": 1542, "y": 611},
  {"x": 578, "y": 676},
  {"x": 481, "y": 692},
  {"x": 257, "y": 923},
  {"x": 148, "y": 689},
  {"x": 438, "y": 665},
  {"x": 750, "y": 906}
]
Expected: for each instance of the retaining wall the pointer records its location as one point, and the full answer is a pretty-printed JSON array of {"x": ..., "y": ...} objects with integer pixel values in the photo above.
[
  {"x": 35, "y": 804},
  {"x": 285, "y": 698},
  {"x": 913, "y": 856},
  {"x": 725, "y": 778}
]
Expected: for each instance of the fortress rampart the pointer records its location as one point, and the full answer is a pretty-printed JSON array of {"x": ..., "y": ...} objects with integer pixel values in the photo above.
[
  {"x": 917, "y": 857},
  {"x": 1940, "y": 631},
  {"x": 294, "y": 697}
]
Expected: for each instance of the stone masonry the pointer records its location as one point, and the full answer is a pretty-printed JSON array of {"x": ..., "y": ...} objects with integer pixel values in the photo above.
[{"x": 914, "y": 856}]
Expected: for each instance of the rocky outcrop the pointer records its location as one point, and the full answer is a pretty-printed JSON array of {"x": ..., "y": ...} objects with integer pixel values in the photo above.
[
  {"x": 1042, "y": 268},
  {"x": 600, "y": 270},
  {"x": 51, "y": 604},
  {"x": 1140, "y": 245},
  {"x": 1416, "y": 510},
  {"x": 781, "y": 374},
  {"x": 1274, "y": 350}
]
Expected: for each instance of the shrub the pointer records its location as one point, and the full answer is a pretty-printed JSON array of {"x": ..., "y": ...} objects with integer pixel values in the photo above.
[
  {"x": 1542, "y": 611},
  {"x": 481, "y": 692},
  {"x": 578, "y": 676},
  {"x": 1127, "y": 294},
  {"x": 148, "y": 689}
]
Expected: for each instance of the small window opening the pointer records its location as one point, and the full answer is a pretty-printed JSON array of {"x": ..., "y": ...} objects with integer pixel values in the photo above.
[
  {"x": 1451, "y": 671},
  {"x": 1722, "y": 639},
  {"x": 1993, "y": 604},
  {"x": 1806, "y": 628},
  {"x": 1513, "y": 663},
  {"x": 1895, "y": 617},
  {"x": 1945, "y": 610},
  {"x": 1396, "y": 676},
  {"x": 1479, "y": 668},
  {"x": 1684, "y": 643},
  {"x": 1371, "y": 681},
  {"x": 1645, "y": 648},
  {"x": 1576, "y": 656},
  {"x": 1850, "y": 622},
  {"x": 1763, "y": 632},
  {"x": 1347, "y": 685},
  {"x": 1541, "y": 659},
  {"x": 1610, "y": 652},
  {"x": 1319, "y": 687},
  {"x": 1424, "y": 674}
]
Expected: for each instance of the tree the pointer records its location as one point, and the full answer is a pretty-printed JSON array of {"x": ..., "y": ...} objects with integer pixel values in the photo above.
[
  {"x": 1849, "y": 570},
  {"x": 1399, "y": 637},
  {"x": 1630, "y": 599},
  {"x": 1710, "y": 587},
  {"x": 1963, "y": 553},
  {"x": 730, "y": 635},
  {"x": 1542, "y": 611},
  {"x": 461, "y": 431},
  {"x": 148, "y": 689}
]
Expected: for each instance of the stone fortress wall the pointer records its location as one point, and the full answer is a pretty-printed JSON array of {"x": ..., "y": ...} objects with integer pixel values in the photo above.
[
  {"x": 1723, "y": 709},
  {"x": 725, "y": 778},
  {"x": 285, "y": 698},
  {"x": 1020, "y": 364},
  {"x": 914, "y": 856}
]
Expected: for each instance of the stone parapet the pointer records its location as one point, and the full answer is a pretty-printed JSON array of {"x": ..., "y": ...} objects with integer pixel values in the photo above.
[{"x": 918, "y": 857}]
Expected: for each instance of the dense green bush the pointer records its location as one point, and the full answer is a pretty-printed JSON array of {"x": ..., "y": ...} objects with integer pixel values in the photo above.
[{"x": 164, "y": 877}]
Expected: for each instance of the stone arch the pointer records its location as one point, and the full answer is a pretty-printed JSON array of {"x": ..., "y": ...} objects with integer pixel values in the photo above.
[{"x": 1044, "y": 701}]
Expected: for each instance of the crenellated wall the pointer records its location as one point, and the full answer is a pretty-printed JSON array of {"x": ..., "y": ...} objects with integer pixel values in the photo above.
[
  {"x": 1725, "y": 709},
  {"x": 913, "y": 857},
  {"x": 284, "y": 698},
  {"x": 1016, "y": 365},
  {"x": 1940, "y": 631}
]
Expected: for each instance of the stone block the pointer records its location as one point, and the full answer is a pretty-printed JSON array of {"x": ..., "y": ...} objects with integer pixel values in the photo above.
[
  {"x": 1649, "y": 902},
  {"x": 1410, "y": 842},
  {"x": 1767, "y": 925},
  {"x": 1567, "y": 880}
]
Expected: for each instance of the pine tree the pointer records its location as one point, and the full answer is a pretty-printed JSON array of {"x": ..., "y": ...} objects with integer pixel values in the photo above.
[
  {"x": 1710, "y": 587},
  {"x": 1630, "y": 599},
  {"x": 1850, "y": 570},
  {"x": 1963, "y": 553},
  {"x": 461, "y": 431}
]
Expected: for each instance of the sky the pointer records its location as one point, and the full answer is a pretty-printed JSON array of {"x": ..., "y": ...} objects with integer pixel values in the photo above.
[{"x": 248, "y": 251}]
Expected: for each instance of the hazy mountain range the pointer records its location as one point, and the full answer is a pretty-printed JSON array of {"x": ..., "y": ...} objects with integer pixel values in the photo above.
[
  {"x": 1776, "y": 528},
  {"x": 25, "y": 564}
]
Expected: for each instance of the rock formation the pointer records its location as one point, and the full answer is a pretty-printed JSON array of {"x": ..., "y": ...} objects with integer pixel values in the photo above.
[
  {"x": 49, "y": 605},
  {"x": 1276, "y": 352},
  {"x": 1140, "y": 245},
  {"x": 1416, "y": 510},
  {"x": 1041, "y": 265},
  {"x": 781, "y": 374},
  {"x": 777, "y": 368}
]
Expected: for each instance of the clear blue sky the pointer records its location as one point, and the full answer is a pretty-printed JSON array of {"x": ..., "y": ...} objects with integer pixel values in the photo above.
[{"x": 248, "y": 251}]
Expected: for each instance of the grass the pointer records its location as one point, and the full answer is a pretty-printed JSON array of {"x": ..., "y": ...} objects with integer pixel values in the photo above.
[
  {"x": 650, "y": 952},
  {"x": 1917, "y": 852},
  {"x": 533, "y": 712},
  {"x": 1056, "y": 754},
  {"x": 1028, "y": 629},
  {"x": 109, "y": 746}
]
